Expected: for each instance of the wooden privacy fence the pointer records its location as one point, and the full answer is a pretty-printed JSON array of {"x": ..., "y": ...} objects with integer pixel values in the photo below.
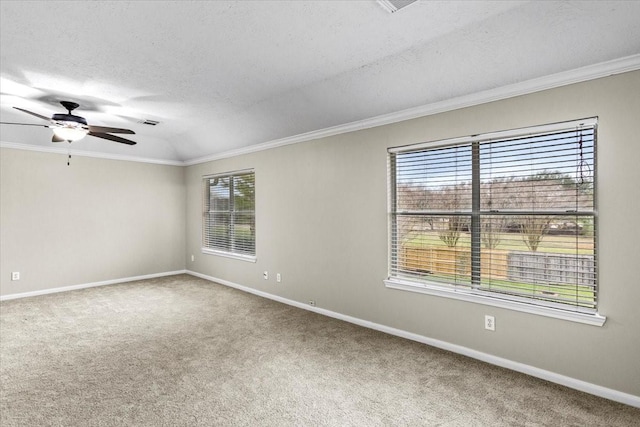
[
  {"x": 445, "y": 260},
  {"x": 515, "y": 266},
  {"x": 542, "y": 267}
]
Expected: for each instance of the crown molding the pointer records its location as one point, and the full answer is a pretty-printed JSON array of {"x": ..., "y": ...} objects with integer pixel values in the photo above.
[
  {"x": 94, "y": 154},
  {"x": 578, "y": 75}
]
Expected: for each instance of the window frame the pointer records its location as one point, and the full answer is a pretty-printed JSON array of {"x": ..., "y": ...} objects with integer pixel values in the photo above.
[
  {"x": 472, "y": 293},
  {"x": 206, "y": 212}
]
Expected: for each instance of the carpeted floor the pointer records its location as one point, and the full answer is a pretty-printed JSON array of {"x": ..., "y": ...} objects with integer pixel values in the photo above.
[{"x": 182, "y": 351}]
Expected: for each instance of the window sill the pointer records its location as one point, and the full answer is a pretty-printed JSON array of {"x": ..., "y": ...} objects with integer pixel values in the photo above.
[
  {"x": 478, "y": 298},
  {"x": 248, "y": 258}
]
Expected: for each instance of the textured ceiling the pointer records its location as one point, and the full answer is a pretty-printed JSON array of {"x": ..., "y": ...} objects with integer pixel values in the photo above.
[{"x": 224, "y": 75}]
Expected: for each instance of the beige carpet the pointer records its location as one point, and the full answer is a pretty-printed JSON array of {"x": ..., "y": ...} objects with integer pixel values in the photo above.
[{"x": 182, "y": 351}]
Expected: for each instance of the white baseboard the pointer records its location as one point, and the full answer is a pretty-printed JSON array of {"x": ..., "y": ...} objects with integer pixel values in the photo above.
[
  {"x": 89, "y": 285},
  {"x": 607, "y": 393}
]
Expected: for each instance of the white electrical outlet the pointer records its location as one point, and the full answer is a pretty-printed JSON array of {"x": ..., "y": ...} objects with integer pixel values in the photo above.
[
  {"x": 489, "y": 323},
  {"x": 15, "y": 275},
  {"x": 278, "y": 278},
  {"x": 265, "y": 275},
  {"x": 193, "y": 258}
]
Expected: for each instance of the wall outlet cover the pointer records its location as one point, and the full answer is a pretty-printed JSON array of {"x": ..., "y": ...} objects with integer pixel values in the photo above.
[{"x": 490, "y": 323}]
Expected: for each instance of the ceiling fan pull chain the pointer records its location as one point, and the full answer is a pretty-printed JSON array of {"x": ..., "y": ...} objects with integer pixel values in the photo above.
[{"x": 69, "y": 153}]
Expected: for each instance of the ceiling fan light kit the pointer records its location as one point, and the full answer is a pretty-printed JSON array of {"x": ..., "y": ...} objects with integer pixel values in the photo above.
[
  {"x": 68, "y": 133},
  {"x": 67, "y": 126}
]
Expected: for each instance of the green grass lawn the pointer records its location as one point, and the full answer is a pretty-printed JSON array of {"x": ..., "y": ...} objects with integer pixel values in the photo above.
[
  {"x": 582, "y": 295},
  {"x": 511, "y": 242}
]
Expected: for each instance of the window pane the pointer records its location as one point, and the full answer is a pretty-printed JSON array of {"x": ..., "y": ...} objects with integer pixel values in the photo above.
[
  {"x": 219, "y": 194},
  {"x": 543, "y": 257},
  {"x": 435, "y": 180},
  {"x": 244, "y": 233},
  {"x": 434, "y": 247},
  {"x": 220, "y": 235},
  {"x": 543, "y": 172},
  {"x": 244, "y": 193}
]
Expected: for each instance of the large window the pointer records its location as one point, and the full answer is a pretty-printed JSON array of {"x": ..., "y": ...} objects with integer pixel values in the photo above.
[
  {"x": 229, "y": 215},
  {"x": 506, "y": 216}
]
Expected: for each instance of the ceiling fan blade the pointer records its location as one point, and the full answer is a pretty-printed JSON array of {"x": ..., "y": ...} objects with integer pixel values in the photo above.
[
  {"x": 33, "y": 114},
  {"x": 23, "y": 124},
  {"x": 56, "y": 138},
  {"x": 104, "y": 129},
  {"x": 112, "y": 138}
]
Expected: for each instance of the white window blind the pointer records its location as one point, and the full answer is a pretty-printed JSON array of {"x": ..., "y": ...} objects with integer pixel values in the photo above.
[
  {"x": 509, "y": 215},
  {"x": 229, "y": 214}
]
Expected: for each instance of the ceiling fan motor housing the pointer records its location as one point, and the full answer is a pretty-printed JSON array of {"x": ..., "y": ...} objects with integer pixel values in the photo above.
[
  {"x": 69, "y": 119},
  {"x": 61, "y": 117}
]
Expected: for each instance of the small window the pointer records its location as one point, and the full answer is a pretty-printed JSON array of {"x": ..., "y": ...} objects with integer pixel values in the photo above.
[
  {"x": 508, "y": 216},
  {"x": 229, "y": 215}
]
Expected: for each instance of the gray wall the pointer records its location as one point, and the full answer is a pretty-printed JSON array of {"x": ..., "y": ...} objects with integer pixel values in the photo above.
[
  {"x": 93, "y": 221},
  {"x": 322, "y": 223}
]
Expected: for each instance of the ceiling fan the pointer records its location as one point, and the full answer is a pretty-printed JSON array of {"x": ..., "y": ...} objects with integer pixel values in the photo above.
[{"x": 70, "y": 128}]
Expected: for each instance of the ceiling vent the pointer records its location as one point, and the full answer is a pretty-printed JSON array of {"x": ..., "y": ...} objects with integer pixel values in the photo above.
[
  {"x": 149, "y": 122},
  {"x": 392, "y": 6}
]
